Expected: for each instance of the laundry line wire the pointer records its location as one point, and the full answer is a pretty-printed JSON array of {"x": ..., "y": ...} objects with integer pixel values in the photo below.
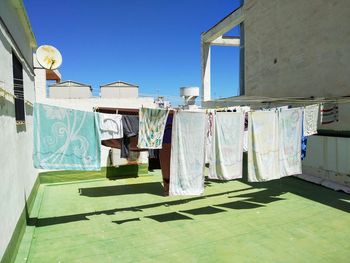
[
  {"x": 266, "y": 100},
  {"x": 282, "y": 100},
  {"x": 17, "y": 96}
]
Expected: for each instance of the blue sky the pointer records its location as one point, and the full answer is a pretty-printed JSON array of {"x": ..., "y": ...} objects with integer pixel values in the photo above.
[{"x": 153, "y": 43}]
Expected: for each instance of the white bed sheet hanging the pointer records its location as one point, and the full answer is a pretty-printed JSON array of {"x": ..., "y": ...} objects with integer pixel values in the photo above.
[
  {"x": 290, "y": 129},
  {"x": 187, "y": 153},
  {"x": 263, "y": 146},
  {"x": 227, "y": 146}
]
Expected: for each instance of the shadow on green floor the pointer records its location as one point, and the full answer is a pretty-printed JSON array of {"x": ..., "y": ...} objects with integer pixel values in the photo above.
[
  {"x": 270, "y": 192},
  {"x": 111, "y": 173},
  {"x": 154, "y": 188},
  {"x": 166, "y": 217},
  {"x": 298, "y": 187},
  {"x": 119, "y": 222},
  {"x": 206, "y": 210},
  {"x": 239, "y": 205},
  {"x": 40, "y": 222}
]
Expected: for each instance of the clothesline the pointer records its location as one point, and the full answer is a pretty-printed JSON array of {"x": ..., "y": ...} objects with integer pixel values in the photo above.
[
  {"x": 19, "y": 95},
  {"x": 4, "y": 93},
  {"x": 255, "y": 100},
  {"x": 273, "y": 139}
]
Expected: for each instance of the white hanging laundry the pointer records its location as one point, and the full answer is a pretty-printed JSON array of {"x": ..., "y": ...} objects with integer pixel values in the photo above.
[
  {"x": 263, "y": 146},
  {"x": 111, "y": 126},
  {"x": 290, "y": 129},
  {"x": 245, "y": 109},
  {"x": 311, "y": 119},
  {"x": 187, "y": 153},
  {"x": 245, "y": 141},
  {"x": 227, "y": 146},
  {"x": 209, "y": 135}
]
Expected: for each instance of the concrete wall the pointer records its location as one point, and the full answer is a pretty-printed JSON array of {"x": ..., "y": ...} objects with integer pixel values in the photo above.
[
  {"x": 40, "y": 83},
  {"x": 17, "y": 174},
  {"x": 119, "y": 92},
  {"x": 328, "y": 161},
  {"x": 60, "y": 92},
  {"x": 297, "y": 48}
]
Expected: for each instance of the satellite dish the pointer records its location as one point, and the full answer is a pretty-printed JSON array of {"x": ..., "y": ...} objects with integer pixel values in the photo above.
[{"x": 48, "y": 57}]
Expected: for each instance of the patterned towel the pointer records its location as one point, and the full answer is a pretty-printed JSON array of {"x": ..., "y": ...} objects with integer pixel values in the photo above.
[
  {"x": 65, "y": 139},
  {"x": 329, "y": 113},
  {"x": 151, "y": 128},
  {"x": 111, "y": 126},
  {"x": 311, "y": 119}
]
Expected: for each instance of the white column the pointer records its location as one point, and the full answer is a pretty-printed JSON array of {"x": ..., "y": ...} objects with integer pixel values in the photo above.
[
  {"x": 205, "y": 59},
  {"x": 40, "y": 84}
]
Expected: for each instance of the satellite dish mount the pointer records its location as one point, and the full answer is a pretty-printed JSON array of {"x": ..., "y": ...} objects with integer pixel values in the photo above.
[{"x": 49, "y": 57}]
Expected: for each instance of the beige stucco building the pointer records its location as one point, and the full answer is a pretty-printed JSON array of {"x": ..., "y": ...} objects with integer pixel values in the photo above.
[
  {"x": 70, "y": 90},
  {"x": 119, "y": 90}
]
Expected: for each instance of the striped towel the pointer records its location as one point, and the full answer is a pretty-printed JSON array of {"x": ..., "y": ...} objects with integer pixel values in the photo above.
[{"x": 329, "y": 113}]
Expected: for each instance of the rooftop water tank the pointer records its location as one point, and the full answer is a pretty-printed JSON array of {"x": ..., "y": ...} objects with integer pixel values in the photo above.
[{"x": 189, "y": 94}]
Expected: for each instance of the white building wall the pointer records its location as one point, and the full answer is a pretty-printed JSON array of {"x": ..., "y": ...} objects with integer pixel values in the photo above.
[
  {"x": 69, "y": 92},
  {"x": 40, "y": 84},
  {"x": 297, "y": 48},
  {"x": 17, "y": 174},
  {"x": 119, "y": 92}
]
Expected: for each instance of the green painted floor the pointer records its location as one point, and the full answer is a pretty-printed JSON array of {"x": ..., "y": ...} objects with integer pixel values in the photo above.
[{"x": 128, "y": 220}]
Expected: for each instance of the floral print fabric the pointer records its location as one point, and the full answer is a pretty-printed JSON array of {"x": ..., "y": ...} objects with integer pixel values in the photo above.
[
  {"x": 151, "y": 128},
  {"x": 65, "y": 139}
]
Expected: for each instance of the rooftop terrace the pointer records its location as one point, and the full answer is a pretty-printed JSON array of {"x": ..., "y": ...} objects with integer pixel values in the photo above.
[{"x": 128, "y": 220}]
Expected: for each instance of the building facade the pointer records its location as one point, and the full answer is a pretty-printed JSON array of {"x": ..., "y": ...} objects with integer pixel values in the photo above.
[
  {"x": 70, "y": 90},
  {"x": 18, "y": 176},
  {"x": 294, "y": 49},
  {"x": 119, "y": 90}
]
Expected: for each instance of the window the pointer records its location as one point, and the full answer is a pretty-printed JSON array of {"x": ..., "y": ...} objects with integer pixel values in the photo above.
[{"x": 18, "y": 89}]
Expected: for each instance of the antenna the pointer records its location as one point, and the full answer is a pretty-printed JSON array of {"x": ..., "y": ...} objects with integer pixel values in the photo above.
[{"x": 48, "y": 57}]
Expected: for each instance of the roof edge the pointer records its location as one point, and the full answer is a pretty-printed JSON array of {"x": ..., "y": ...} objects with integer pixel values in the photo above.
[
  {"x": 119, "y": 81},
  {"x": 72, "y": 81},
  {"x": 24, "y": 19}
]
